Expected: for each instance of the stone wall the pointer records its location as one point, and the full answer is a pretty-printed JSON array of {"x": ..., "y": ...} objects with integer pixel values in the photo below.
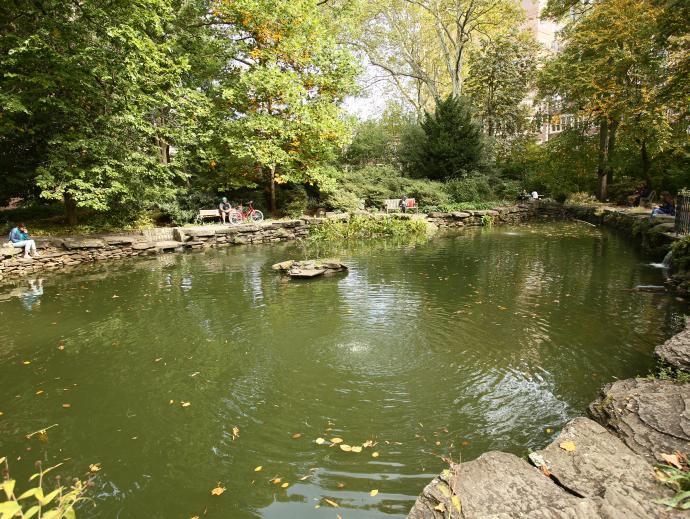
[{"x": 59, "y": 252}]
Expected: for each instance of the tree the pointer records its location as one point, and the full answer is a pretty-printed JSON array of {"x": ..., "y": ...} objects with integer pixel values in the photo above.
[
  {"x": 421, "y": 46},
  {"x": 284, "y": 123},
  {"x": 452, "y": 143},
  {"x": 609, "y": 71},
  {"x": 500, "y": 76},
  {"x": 99, "y": 88}
]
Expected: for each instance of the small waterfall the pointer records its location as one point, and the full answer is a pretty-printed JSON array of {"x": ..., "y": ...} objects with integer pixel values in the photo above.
[{"x": 667, "y": 260}]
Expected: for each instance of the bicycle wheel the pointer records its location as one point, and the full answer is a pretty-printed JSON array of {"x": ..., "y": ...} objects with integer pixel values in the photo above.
[
  {"x": 235, "y": 218},
  {"x": 256, "y": 216}
]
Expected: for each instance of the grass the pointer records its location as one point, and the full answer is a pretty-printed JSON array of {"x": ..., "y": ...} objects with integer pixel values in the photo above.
[
  {"x": 664, "y": 371},
  {"x": 359, "y": 227},
  {"x": 675, "y": 475}
]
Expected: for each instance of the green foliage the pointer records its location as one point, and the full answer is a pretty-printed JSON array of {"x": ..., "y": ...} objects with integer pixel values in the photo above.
[
  {"x": 500, "y": 75},
  {"x": 58, "y": 503},
  {"x": 358, "y": 227},
  {"x": 462, "y": 206},
  {"x": 471, "y": 189},
  {"x": 452, "y": 144},
  {"x": 370, "y": 186},
  {"x": 580, "y": 198},
  {"x": 372, "y": 144},
  {"x": 677, "y": 477}
]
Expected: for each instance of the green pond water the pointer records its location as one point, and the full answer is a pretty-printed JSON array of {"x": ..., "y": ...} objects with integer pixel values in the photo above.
[{"x": 465, "y": 343}]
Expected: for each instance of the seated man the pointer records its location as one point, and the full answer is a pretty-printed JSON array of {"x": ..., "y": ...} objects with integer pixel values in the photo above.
[
  {"x": 19, "y": 237},
  {"x": 224, "y": 208},
  {"x": 641, "y": 192},
  {"x": 403, "y": 204},
  {"x": 667, "y": 207}
]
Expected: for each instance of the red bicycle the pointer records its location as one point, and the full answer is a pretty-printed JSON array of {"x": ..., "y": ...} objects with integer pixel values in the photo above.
[{"x": 242, "y": 214}]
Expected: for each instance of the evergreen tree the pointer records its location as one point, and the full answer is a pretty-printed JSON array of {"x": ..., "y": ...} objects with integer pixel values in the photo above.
[{"x": 452, "y": 144}]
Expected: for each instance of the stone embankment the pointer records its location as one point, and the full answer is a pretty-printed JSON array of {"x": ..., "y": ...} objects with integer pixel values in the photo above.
[
  {"x": 59, "y": 252},
  {"x": 599, "y": 467}
]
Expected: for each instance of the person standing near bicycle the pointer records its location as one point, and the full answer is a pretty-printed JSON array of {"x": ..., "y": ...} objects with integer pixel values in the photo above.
[{"x": 224, "y": 208}]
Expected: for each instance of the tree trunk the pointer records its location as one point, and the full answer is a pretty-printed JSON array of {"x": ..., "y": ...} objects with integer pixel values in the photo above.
[
  {"x": 602, "y": 162},
  {"x": 70, "y": 209},
  {"x": 610, "y": 148},
  {"x": 272, "y": 188},
  {"x": 646, "y": 163}
]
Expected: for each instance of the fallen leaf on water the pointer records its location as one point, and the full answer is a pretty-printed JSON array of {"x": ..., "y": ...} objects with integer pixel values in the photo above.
[
  {"x": 465, "y": 443},
  {"x": 374, "y": 492},
  {"x": 158, "y": 359},
  {"x": 440, "y": 508},
  {"x": 276, "y": 480},
  {"x": 285, "y": 485},
  {"x": 336, "y": 440},
  {"x": 95, "y": 467},
  {"x": 186, "y": 404},
  {"x": 549, "y": 430},
  {"x": 39, "y": 392},
  {"x": 218, "y": 490},
  {"x": 26, "y": 362},
  {"x": 368, "y": 443},
  {"x": 235, "y": 432},
  {"x": 258, "y": 469},
  {"x": 437, "y": 443},
  {"x": 374, "y": 454},
  {"x": 172, "y": 401},
  {"x": 61, "y": 345},
  {"x": 332, "y": 503},
  {"x": 340, "y": 484},
  {"x": 320, "y": 441},
  {"x": 345, "y": 447},
  {"x": 672, "y": 459},
  {"x": 296, "y": 435},
  {"x": 567, "y": 446},
  {"x": 66, "y": 406},
  {"x": 195, "y": 517},
  {"x": 356, "y": 448}
]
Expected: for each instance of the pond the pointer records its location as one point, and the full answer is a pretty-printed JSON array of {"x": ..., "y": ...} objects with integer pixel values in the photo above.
[{"x": 187, "y": 372}]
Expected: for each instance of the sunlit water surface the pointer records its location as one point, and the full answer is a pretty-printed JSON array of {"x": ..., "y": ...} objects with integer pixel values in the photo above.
[{"x": 466, "y": 343}]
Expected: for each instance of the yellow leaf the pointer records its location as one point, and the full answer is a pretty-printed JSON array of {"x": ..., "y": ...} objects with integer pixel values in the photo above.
[
  {"x": 26, "y": 362},
  {"x": 285, "y": 485},
  {"x": 356, "y": 448},
  {"x": 235, "y": 432},
  {"x": 368, "y": 443},
  {"x": 440, "y": 507},
  {"x": 296, "y": 436},
  {"x": 258, "y": 469},
  {"x": 95, "y": 467},
  {"x": 456, "y": 503},
  {"x": 276, "y": 480},
  {"x": 672, "y": 459},
  {"x": 567, "y": 446},
  {"x": 218, "y": 490},
  {"x": 336, "y": 440},
  {"x": 39, "y": 392},
  {"x": 549, "y": 430},
  {"x": 374, "y": 454},
  {"x": 374, "y": 492},
  {"x": 320, "y": 441},
  {"x": 345, "y": 447},
  {"x": 186, "y": 404},
  {"x": 66, "y": 406},
  {"x": 332, "y": 503}
]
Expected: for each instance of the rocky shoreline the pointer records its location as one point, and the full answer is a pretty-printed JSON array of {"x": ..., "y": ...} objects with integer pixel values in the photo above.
[
  {"x": 60, "y": 252},
  {"x": 597, "y": 467}
]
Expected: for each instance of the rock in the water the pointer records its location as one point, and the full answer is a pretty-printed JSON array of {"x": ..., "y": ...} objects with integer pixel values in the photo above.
[
  {"x": 652, "y": 417},
  {"x": 591, "y": 462},
  {"x": 283, "y": 265},
  {"x": 296, "y": 272},
  {"x": 676, "y": 350}
]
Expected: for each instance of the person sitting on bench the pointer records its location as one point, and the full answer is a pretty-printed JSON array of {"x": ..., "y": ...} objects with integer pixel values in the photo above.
[{"x": 224, "y": 208}]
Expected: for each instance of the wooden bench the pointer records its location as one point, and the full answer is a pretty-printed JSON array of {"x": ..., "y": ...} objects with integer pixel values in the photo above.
[
  {"x": 207, "y": 213},
  {"x": 411, "y": 205},
  {"x": 392, "y": 204}
]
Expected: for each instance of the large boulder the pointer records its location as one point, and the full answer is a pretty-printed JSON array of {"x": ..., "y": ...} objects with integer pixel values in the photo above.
[
  {"x": 652, "y": 417},
  {"x": 676, "y": 350}
]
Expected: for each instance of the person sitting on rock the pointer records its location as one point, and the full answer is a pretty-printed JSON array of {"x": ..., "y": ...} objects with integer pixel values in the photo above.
[
  {"x": 224, "y": 208},
  {"x": 667, "y": 207},
  {"x": 19, "y": 237}
]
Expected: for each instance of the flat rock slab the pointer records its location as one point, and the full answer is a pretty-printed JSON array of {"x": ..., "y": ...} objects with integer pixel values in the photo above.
[
  {"x": 143, "y": 245},
  {"x": 652, "y": 417},
  {"x": 10, "y": 251},
  {"x": 305, "y": 273},
  {"x": 676, "y": 350},
  {"x": 591, "y": 462},
  {"x": 497, "y": 484},
  {"x": 83, "y": 244},
  {"x": 168, "y": 245}
]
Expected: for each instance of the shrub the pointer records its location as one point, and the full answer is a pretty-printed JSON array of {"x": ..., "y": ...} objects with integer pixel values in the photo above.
[
  {"x": 469, "y": 189},
  {"x": 580, "y": 198},
  {"x": 366, "y": 227}
]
